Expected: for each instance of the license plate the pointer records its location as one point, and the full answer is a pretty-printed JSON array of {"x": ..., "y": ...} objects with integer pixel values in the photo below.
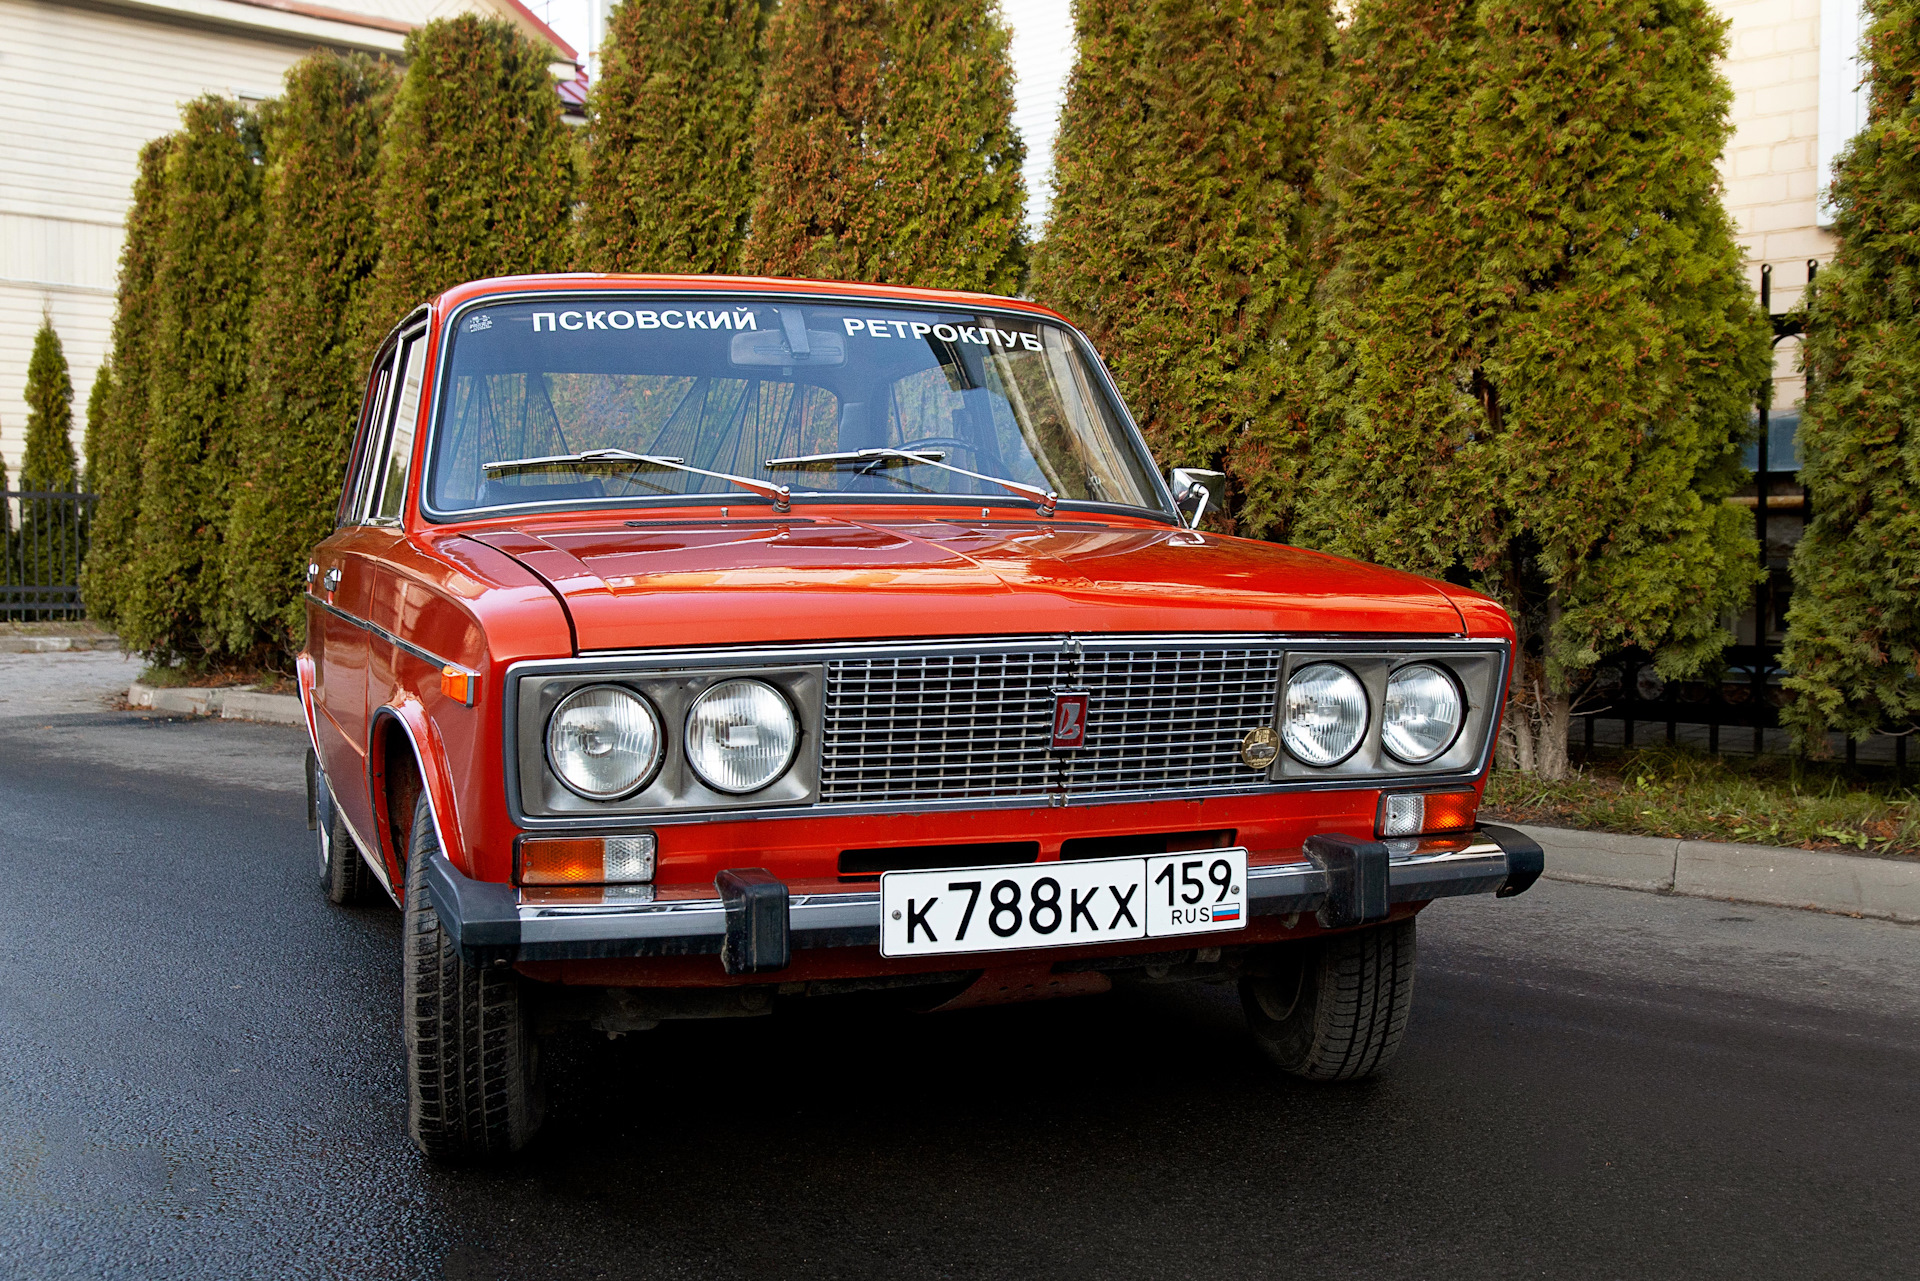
[{"x": 1027, "y": 905}]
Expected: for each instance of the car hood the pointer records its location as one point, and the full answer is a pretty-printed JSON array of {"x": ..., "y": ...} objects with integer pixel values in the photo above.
[{"x": 663, "y": 584}]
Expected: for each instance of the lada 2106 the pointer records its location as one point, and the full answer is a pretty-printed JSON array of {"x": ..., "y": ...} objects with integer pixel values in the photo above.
[{"x": 691, "y": 645}]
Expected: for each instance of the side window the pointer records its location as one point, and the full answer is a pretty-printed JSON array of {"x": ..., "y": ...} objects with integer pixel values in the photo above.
[
  {"x": 397, "y": 458},
  {"x": 354, "y": 502}
]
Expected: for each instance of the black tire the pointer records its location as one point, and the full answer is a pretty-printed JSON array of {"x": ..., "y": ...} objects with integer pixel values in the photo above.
[
  {"x": 1336, "y": 1009},
  {"x": 343, "y": 872},
  {"x": 472, "y": 1083}
]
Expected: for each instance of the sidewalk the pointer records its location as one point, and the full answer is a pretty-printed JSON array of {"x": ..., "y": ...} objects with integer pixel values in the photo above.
[
  {"x": 234, "y": 704},
  {"x": 1854, "y": 884}
]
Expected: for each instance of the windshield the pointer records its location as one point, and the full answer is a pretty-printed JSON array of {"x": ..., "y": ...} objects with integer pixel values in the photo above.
[{"x": 544, "y": 398}]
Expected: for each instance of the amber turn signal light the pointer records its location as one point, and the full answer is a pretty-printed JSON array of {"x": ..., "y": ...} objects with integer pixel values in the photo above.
[
  {"x": 593, "y": 860},
  {"x": 1425, "y": 813},
  {"x": 457, "y": 685}
]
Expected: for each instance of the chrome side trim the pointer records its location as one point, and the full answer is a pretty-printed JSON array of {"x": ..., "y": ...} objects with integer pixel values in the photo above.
[{"x": 424, "y": 655}]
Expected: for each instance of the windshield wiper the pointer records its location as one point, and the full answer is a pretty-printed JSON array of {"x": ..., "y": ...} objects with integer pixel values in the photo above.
[
  {"x": 1048, "y": 500},
  {"x": 782, "y": 496}
]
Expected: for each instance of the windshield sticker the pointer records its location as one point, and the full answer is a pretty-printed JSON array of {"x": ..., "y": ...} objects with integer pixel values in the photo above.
[
  {"x": 979, "y": 335},
  {"x": 672, "y": 318}
]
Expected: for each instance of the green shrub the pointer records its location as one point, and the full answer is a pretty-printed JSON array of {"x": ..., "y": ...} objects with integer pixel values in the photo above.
[
  {"x": 1853, "y": 628},
  {"x": 884, "y": 147},
  {"x": 1538, "y": 347},
  {"x": 668, "y": 182},
  {"x": 117, "y": 439},
  {"x": 197, "y": 381},
  {"x": 306, "y": 378},
  {"x": 1180, "y": 225},
  {"x": 475, "y": 174}
]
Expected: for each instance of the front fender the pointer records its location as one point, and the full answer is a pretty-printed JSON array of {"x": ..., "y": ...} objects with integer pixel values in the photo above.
[{"x": 406, "y": 716}]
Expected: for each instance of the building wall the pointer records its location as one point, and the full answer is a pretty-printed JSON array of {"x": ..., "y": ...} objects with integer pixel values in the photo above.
[{"x": 83, "y": 85}]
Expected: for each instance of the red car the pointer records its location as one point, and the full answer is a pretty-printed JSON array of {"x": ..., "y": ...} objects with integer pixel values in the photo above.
[{"x": 692, "y": 645}]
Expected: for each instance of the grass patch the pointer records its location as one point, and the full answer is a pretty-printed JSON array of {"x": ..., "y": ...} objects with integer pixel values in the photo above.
[
  {"x": 266, "y": 682},
  {"x": 1678, "y": 792}
]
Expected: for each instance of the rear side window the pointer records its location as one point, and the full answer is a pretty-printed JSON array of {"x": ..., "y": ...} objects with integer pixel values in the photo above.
[
  {"x": 396, "y": 459},
  {"x": 353, "y": 503}
]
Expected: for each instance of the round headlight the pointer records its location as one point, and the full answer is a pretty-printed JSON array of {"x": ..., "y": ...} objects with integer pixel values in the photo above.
[
  {"x": 741, "y": 735},
  {"x": 1325, "y": 715},
  {"x": 1423, "y": 713},
  {"x": 603, "y": 741}
]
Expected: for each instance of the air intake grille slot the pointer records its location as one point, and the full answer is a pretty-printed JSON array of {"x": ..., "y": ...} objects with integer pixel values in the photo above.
[{"x": 928, "y": 727}]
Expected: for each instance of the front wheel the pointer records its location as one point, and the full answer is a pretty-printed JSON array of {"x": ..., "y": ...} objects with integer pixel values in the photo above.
[
  {"x": 1335, "y": 1009},
  {"x": 472, "y": 1088}
]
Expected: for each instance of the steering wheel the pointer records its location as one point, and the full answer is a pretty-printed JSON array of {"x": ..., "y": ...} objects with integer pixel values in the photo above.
[{"x": 953, "y": 442}]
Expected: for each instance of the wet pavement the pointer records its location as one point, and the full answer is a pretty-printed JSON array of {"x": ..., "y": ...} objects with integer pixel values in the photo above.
[{"x": 200, "y": 1076}]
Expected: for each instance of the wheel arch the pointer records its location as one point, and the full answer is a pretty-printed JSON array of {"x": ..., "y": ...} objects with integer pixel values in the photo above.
[{"x": 404, "y": 742}]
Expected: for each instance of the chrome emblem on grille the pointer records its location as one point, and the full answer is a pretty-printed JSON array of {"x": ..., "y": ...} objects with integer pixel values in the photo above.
[
  {"x": 1069, "y": 720},
  {"x": 1259, "y": 748}
]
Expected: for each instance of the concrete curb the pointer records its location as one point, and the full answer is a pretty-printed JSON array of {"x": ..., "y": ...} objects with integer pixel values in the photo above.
[
  {"x": 55, "y": 644},
  {"x": 227, "y": 704},
  {"x": 1887, "y": 888}
]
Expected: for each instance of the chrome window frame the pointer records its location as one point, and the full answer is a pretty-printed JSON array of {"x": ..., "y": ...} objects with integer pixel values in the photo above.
[
  {"x": 708, "y": 664},
  {"x": 438, "y": 397}
]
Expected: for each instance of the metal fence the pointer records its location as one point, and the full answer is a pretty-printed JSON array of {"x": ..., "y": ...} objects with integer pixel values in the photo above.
[{"x": 43, "y": 540}]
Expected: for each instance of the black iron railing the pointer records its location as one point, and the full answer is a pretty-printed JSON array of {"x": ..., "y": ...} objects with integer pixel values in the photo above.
[{"x": 43, "y": 540}]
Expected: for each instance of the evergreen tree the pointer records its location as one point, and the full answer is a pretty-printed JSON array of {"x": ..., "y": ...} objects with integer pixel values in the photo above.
[
  {"x": 117, "y": 439},
  {"x": 884, "y": 147},
  {"x": 1539, "y": 348},
  {"x": 98, "y": 400},
  {"x": 1853, "y": 628},
  {"x": 1180, "y": 226},
  {"x": 48, "y": 546},
  {"x": 49, "y": 463},
  {"x": 317, "y": 256},
  {"x": 475, "y": 174},
  {"x": 197, "y": 370},
  {"x": 668, "y": 182}
]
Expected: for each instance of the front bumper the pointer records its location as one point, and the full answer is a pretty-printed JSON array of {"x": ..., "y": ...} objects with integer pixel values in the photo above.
[{"x": 754, "y": 922}]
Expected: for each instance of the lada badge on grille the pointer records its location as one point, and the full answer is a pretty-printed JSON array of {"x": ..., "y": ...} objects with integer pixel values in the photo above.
[{"x": 1069, "y": 720}]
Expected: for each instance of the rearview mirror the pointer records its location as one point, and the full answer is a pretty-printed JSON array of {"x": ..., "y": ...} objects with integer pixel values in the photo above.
[{"x": 1193, "y": 489}]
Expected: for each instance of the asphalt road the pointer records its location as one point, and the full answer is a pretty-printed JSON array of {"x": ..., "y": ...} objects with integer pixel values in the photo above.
[{"x": 200, "y": 1076}]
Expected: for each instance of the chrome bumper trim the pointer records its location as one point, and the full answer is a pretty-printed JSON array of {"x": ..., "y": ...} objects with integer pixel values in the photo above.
[{"x": 489, "y": 924}]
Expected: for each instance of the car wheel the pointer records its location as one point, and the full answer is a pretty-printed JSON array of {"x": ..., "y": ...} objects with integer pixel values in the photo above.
[
  {"x": 345, "y": 874},
  {"x": 1335, "y": 1009},
  {"x": 472, "y": 1085}
]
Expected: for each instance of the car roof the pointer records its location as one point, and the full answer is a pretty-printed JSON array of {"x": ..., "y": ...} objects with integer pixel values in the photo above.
[{"x": 587, "y": 281}]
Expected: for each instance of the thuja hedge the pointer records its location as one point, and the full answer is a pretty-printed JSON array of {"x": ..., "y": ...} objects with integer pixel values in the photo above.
[
  {"x": 668, "y": 171},
  {"x": 475, "y": 176},
  {"x": 1538, "y": 347},
  {"x": 318, "y": 252},
  {"x": 201, "y": 300},
  {"x": 884, "y": 147},
  {"x": 48, "y": 462},
  {"x": 1853, "y": 629},
  {"x": 116, "y": 440},
  {"x": 1179, "y": 236}
]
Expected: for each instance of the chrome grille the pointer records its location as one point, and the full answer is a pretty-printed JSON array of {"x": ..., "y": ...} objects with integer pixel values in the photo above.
[
  {"x": 1171, "y": 720},
  {"x": 926, "y": 727}
]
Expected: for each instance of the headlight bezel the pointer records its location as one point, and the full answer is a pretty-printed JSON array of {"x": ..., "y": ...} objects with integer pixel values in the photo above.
[
  {"x": 645, "y": 776},
  {"x": 539, "y": 797},
  {"x": 1478, "y": 670},
  {"x": 1459, "y": 723}
]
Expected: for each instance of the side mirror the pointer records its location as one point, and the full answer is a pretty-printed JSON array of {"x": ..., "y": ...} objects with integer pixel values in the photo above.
[{"x": 1193, "y": 489}]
